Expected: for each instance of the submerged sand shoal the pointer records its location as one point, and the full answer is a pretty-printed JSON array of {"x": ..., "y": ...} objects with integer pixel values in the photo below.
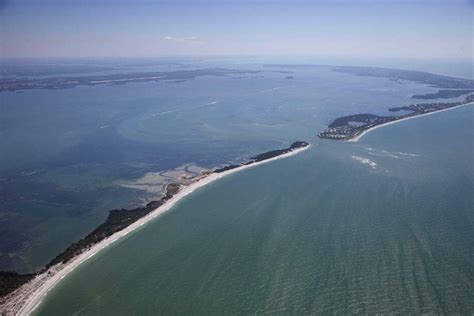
[{"x": 28, "y": 297}]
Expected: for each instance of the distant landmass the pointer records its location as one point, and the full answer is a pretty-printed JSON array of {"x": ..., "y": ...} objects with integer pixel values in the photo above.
[
  {"x": 437, "y": 81},
  {"x": 398, "y": 75},
  {"x": 54, "y": 83},
  {"x": 443, "y": 94},
  {"x": 353, "y": 126}
]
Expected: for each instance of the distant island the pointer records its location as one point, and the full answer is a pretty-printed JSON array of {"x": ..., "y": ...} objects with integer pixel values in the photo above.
[
  {"x": 443, "y": 94},
  {"x": 451, "y": 87},
  {"x": 20, "y": 293},
  {"x": 399, "y": 75},
  {"x": 55, "y": 83},
  {"x": 351, "y": 127}
]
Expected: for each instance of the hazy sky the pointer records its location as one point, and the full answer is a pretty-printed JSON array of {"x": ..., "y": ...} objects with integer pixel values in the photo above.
[{"x": 406, "y": 29}]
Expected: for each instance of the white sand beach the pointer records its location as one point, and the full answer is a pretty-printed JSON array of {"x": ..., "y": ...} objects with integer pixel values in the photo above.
[
  {"x": 27, "y": 298},
  {"x": 356, "y": 139}
]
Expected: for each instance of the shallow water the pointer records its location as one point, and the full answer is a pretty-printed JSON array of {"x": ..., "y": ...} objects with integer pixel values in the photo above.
[
  {"x": 384, "y": 225},
  {"x": 64, "y": 152}
]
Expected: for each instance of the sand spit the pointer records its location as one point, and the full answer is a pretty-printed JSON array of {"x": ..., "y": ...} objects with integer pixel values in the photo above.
[{"x": 27, "y": 298}]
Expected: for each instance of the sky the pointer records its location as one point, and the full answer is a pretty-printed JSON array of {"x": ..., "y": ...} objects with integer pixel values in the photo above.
[{"x": 364, "y": 28}]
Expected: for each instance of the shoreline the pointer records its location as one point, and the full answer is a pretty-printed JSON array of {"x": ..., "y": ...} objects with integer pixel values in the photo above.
[
  {"x": 40, "y": 285},
  {"x": 356, "y": 139}
]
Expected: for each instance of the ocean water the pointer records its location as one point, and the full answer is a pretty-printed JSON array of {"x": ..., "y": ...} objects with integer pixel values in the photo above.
[
  {"x": 64, "y": 152},
  {"x": 380, "y": 226}
]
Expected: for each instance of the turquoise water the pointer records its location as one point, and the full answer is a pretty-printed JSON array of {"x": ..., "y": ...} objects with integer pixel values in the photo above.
[
  {"x": 380, "y": 226},
  {"x": 63, "y": 152}
]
